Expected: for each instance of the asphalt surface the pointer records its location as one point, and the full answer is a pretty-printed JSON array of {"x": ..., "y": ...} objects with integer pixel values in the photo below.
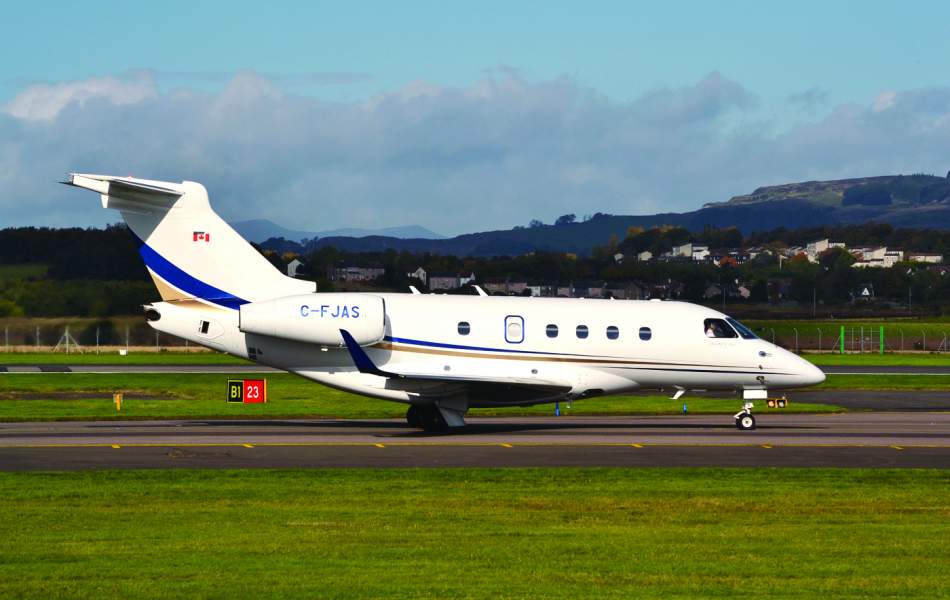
[
  {"x": 225, "y": 369},
  {"x": 881, "y": 439}
]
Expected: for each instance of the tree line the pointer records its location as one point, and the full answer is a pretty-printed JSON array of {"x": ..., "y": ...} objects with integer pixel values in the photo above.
[{"x": 98, "y": 272}]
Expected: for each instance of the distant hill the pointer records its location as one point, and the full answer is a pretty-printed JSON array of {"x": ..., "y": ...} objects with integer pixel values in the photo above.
[
  {"x": 259, "y": 230},
  {"x": 921, "y": 201},
  {"x": 905, "y": 201}
]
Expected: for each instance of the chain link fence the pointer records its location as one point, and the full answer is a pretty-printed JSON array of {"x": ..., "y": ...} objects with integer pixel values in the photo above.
[{"x": 85, "y": 335}]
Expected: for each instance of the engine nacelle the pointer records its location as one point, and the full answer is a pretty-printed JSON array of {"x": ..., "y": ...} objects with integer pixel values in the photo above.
[{"x": 317, "y": 318}]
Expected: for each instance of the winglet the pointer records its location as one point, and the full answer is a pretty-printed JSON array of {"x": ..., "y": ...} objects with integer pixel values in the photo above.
[
  {"x": 414, "y": 290},
  {"x": 362, "y": 361},
  {"x": 479, "y": 290}
]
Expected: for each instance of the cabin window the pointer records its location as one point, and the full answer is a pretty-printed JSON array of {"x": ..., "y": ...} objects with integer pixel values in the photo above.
[
  {"x": 551, "y": 330},
  {"x": 582, "y": 331},
  {"x": 612, "y": 333},
  {"x": 464, "y": 328},
  {"x": 718, "y": 328},
  {"x": 744, "y": 331},
  {"x": 645, "y": 334}
]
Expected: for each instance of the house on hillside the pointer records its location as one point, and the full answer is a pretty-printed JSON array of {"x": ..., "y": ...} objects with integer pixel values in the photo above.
[
  {"x": 815, "y": 249},
  {"x": 292, "y": 267},
  {"x": 449, "y": 281},
  {"x": 351, "y": 274},
  {"x": 925, "y": 257},
  {"x": 419, "y": 274},
  {"x": 625, "y": 290},
  {"x": 700, "y": 253},
  {"x": 443, "y": 281}
]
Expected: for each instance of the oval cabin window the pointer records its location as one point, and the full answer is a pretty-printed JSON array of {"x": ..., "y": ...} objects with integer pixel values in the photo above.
[
  {"x": 464, "y": 328},
  {"x": 612, "y": 333},
  {"x": 582, "y": 331},
  {"x": 551, "y": 330},
  {"x": 645, "y": 333}
]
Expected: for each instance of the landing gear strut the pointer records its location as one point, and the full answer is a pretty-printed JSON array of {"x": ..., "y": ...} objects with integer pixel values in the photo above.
[
  {"x": 426, "y": 416},
  {"x": 744, "y": 419}
]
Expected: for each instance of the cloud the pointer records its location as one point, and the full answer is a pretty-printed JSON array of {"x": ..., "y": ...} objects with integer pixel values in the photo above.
[
  {"x": 884, "y": 101},
  {"x": 810, "y": 99},
  {"x": 41, "y": 102},
  {"x": 492, "y": 154}
]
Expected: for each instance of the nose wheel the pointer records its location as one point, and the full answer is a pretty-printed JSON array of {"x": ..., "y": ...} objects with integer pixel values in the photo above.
[{"x": 744, "y": 419}]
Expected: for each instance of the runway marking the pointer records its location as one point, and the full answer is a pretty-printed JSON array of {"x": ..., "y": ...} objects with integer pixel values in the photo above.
[
  {"x": 379, "y": 445},
  {"x": 637, "y": 445},
  {"x": 248, "y": 445},
  {"x": 897, "y": 447},
  {"x": 766, "y": 446},
  {"x": 504, "y": 445},
  {"x": 115, "y": 446}
]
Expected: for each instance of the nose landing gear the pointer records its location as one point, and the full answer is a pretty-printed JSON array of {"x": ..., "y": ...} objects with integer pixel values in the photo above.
[{"x": 744, "y": 419}]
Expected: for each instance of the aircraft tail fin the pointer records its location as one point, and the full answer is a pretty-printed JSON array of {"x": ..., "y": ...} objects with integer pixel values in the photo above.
[{"x": 190, "y": 252}]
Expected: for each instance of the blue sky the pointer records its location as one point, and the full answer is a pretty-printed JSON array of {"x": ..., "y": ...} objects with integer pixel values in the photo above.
[{"x": 452, "y": 103}]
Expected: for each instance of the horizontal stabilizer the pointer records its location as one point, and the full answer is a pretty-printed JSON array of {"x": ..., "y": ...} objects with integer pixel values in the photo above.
[{"x": 127, "y": 193}]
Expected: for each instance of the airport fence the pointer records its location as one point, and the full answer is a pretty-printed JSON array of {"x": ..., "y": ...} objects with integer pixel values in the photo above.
[
  {"x": 98, "y": 335},
  {"x": 857, "y": 339},
  {"x": 84, "y": 335}
]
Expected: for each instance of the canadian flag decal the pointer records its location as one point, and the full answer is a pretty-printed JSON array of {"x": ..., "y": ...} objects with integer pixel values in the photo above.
[{"x": 200, "y": 236}]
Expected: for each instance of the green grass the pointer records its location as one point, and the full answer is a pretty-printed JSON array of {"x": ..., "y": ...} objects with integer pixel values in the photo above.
[
  {"x": 113, "y": 358},
  {"x": 19, "y": 272},
  {"x": 880, "y": 360},
  {"x": 477, "y": 533},
  {"x": 66, "y": 396},
  {"x": 886, "y": 382}
]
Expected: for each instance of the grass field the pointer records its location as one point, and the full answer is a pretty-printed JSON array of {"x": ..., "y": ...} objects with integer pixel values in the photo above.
[
  {"x": 880, "y": 360},
  {"x": 18, "y": 272},
  {"x": 67, "y": 396},
  {"x": 477, "y": 533},
  {"x": 113, "y": 358}
]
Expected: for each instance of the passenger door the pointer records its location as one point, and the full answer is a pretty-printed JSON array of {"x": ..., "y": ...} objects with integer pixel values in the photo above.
[{"x": 514, "y": 329}]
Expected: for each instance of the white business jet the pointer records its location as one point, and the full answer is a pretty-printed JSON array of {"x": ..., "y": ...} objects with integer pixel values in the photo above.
[{"x": 441, "y": 355}]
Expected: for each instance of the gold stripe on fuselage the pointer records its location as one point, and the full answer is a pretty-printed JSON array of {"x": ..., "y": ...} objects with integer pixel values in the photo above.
[{"x": 561, "y": 359}]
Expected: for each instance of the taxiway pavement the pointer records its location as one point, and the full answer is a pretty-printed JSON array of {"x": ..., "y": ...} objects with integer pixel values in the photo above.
[{"x": 879, "y": 439}]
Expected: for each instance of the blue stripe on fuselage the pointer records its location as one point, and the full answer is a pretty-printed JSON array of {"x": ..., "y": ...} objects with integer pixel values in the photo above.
[
  {"x": 185, "y": 282},
  {"x": 479, "y": 348}
]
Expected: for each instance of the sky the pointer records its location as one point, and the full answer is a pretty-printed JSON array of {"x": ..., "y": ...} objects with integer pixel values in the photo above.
[{"x": 463, "y": 117}]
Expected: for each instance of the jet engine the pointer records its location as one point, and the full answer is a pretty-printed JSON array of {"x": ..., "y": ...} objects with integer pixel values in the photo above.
[{"x": 317, "y": 318}]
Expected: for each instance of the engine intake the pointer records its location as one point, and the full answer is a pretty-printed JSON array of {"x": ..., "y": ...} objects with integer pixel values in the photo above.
[{"x": 317, "y": 318}]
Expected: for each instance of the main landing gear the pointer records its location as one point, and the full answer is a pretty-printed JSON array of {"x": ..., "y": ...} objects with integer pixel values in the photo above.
[{"x": 427, "y": 417}]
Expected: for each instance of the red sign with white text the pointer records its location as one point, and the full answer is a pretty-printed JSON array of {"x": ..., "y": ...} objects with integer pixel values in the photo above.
[{"x": 255, "y": 390}]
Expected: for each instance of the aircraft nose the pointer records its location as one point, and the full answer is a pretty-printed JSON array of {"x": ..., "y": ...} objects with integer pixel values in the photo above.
[{"x": 810, "y": 374}]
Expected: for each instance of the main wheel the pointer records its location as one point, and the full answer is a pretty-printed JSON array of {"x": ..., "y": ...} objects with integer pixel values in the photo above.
[
  {"x": 414, "y": 416},
  {"x": 746, "y": 422},
  {"x": 432, "y": 419}
]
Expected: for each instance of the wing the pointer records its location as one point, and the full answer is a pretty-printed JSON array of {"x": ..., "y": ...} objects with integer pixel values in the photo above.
[{"x": 480, "y": 384}]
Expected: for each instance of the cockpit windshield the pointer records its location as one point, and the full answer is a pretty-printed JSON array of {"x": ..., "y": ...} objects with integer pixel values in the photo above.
[
  {"x": 717, "y": 328},
  {"x": 744, "y": 331}
]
